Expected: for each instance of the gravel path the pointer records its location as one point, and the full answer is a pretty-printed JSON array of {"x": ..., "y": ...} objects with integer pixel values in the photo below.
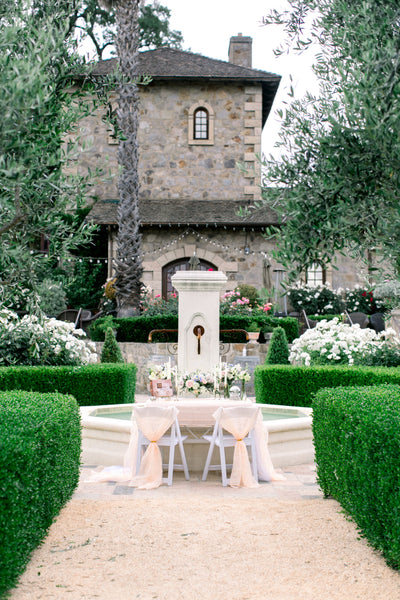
[{"x": 207, "y": 543}]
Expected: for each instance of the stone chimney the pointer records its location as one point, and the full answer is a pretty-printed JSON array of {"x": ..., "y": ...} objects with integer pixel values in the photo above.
[{"x": 240, "y": 50}]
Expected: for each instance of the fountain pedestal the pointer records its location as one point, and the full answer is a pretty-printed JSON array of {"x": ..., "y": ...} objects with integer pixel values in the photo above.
[{"x": 198, "y": 318}]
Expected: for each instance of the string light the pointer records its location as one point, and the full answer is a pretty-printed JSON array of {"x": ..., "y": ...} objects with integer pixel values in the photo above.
[{"x": 179, "y": 238}]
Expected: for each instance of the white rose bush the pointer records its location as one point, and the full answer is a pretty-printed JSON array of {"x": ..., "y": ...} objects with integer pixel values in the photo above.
[
  {"x": 334, "y": 342},
  {"x": 42, "y": 341}
]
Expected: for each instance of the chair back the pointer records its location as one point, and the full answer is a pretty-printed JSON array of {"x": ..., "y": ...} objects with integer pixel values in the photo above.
[
  {"x": 238, "y": 420},
  {"x": 153, "y": 421}
]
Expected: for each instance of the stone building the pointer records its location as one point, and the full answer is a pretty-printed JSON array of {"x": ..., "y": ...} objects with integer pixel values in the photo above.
[{"x": 199, "y": 119}]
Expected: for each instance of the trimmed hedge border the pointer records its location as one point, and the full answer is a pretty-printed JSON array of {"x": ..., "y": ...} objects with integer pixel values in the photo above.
[
  {"x": 296, "y": 386},
  {"x": 90, "y": 384},
  {"x": 357, "y": 449},
  {"x": 40, "y": 445},
  {"x": 137, "y": 329}
]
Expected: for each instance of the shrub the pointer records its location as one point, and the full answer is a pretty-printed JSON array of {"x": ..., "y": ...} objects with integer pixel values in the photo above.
[
  {"x": 84, "y": 285},
  {"x": 250, "y": 292},
  {"x": 334, "y": 342},
  {"x": 289, "y": 324},
  {"x": 136, "y": 329},
  {"x": 278, "y": 351},
  {"x": 388, "y": 292},
  {"x": 387, "y": 355},
  {"x": 233, "y": 303},
  {"x": 357, "y": 447},
  {"x": 39, "y": 470},
  {"x": 159, "y": 306},
  {"x": 89, "y": 384},
  {"x": 361, "y": 299},
  {"x": 315, "y": 300},
  {"x": 297, "y": 386},
  {"x": 324, "y": 317},
  {"x": 53, "y": 298},
  {"x": 34, "y": 341},
  {"x": 111, "y": 352}
]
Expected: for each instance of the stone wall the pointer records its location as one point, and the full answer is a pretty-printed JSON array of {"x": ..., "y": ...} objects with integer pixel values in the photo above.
[{"x": 170, "y": 166}]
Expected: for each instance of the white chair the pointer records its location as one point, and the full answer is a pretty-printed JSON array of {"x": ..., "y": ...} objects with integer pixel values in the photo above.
[
  {"x": 153, "y": 423},
  {"x": 234, "y": 427}
]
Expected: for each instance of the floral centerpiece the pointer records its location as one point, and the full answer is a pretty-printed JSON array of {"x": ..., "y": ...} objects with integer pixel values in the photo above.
[
  {"x": 196, "y": 383},
  {"x": 238, "y": 373},
  {"x": 200, "y": 383},
  {"x": 158, "y": 372}
]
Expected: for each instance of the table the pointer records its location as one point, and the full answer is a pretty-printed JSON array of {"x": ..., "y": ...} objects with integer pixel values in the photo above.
[{"x": 198, "y": 413}]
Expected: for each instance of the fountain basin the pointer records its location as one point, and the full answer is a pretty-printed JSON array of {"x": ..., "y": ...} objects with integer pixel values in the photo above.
[{"x": 106, "y": 433}]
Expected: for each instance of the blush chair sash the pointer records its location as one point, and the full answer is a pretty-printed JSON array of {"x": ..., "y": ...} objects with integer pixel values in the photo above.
[
  {"x": 239, "y": 421},
  {"x": 153, "y": 422}
]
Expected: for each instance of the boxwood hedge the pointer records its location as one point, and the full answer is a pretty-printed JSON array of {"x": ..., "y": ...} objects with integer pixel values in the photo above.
[
  {"x": 297, "y": 386},
  {"x": 137, "y": 329},
  {"x": 357, "y": 447},
  {"x": 89, "y": 384},
  {"x": 40, "y": 440}
]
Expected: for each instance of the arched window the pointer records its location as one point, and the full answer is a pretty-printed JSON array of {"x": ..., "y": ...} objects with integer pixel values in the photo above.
[
  {"x": 182, "y": 264},
  {"x": 200, "y": 123}
]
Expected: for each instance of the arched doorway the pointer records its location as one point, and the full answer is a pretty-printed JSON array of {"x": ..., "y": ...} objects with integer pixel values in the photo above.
[{"x": 182, "y": 264}]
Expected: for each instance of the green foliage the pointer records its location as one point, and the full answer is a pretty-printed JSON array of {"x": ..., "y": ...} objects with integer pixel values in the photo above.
[
  {"x": 41, "y": 341},
  {"x": 84, "y": 286},
  {"x": 278, "y": 350},
  {"x": 40, "y": 443},
  {"x": 159, "y": 306},
  {"x": 39, "y": 107},
  {"x": 90, "y": 385},
  {"x": 357, "y": 447},
  {"x": 387, "y": 355},
  {"x": 137, "y": 329},
  {"x": 98, "y": 24},
  {"x": 111, "y": 352},
  {"x": 52, "y": 297},
  {"x": 289, "y": 324},
  {"x": 250, "y": 292},
  {"x": 324, "y": 317},
  {"x": 362, "y": 299},
  {"x": 297, "y": 386},
  {"x": 388, "y": 292},
  {"x": 336, "y": 186}
]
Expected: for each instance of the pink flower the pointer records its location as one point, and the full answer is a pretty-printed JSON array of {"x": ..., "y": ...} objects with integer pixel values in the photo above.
[
  {"x": 267, "y": 307},
  {"x": 158, "y": 296}
]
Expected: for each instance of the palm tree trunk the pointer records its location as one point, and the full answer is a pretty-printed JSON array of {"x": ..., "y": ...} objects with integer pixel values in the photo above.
[{"x": 128, "y": 264}]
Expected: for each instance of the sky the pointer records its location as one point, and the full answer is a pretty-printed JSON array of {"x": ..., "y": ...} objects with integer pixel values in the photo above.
[{"x": 207, "y": 27}]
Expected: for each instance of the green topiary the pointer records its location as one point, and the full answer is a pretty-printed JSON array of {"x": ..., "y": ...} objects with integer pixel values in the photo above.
[
  {"x": 278, "y": 351},
  {"x": 111, "y": 352}
]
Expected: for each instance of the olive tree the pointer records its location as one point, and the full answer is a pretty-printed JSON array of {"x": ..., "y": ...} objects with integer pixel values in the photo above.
[{"x": 336, "y": 185}]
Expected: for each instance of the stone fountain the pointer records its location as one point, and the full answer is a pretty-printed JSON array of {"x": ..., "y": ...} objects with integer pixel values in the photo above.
[{"x": 198, "y": 318}]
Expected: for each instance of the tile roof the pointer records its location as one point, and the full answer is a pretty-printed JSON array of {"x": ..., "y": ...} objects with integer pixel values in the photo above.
[
  {"x": 187, "y": 212},
  {"x": 180, "y": 65}
]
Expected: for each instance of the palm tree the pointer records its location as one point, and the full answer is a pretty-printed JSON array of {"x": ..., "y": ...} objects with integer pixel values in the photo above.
[{"x": 128, "y": 263}]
